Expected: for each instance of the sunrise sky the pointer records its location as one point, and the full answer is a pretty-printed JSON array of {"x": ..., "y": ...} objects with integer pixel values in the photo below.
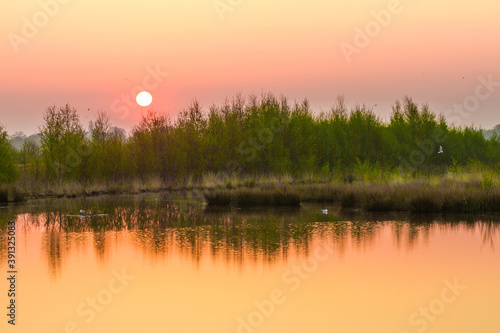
[{"x": 92, "y": 53}]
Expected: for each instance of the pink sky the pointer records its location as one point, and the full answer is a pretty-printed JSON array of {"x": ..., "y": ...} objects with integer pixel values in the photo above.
[{"x": 91, "y": 53}]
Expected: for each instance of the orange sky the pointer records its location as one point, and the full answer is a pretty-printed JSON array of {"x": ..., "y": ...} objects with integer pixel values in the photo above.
[{"x": 90, "y": 53}]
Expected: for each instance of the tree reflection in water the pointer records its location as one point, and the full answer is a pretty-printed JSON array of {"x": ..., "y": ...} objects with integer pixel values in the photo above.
[{"x": 161, "y": 225}]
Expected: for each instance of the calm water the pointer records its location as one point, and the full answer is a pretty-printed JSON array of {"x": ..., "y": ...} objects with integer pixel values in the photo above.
[{"x": 163, "y": 264}]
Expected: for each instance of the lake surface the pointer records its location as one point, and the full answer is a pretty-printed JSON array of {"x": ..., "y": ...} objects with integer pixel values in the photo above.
[{"x": 160, "y": 263}]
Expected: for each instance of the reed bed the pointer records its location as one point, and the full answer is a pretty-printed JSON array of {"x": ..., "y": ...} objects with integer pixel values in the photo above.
[
  {"x": 468, "y": 195},
  {"x": 11, "y": 194},
  {"x": 244, "y": 197},
  {"x": 465, "y": 192},
  {"x": 4, "y": 196}
]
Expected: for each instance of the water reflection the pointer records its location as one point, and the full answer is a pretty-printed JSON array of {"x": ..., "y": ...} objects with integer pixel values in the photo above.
[
  {"x": 160, "y": 226},
  {"x": 488, "y": 231}
]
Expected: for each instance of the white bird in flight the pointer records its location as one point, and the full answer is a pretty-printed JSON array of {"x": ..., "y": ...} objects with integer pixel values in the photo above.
[
  {"x": 440, "y": 150},
  {"x": 324, "y": 211}
]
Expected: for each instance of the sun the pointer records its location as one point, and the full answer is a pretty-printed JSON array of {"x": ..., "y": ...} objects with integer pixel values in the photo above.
[{"x": 144, "y": 98}]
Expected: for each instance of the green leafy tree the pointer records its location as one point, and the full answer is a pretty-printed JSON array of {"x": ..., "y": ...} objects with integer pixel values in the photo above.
[
  {"x": 151, "y": 147},
  {"x": 63, "y": 144},
  {"x": 259, "y": 135},
  {"x": 8, "y": 171},
  {"x": 30, "y": 158}
]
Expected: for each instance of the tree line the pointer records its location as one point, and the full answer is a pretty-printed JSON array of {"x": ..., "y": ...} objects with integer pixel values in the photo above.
[{"x": 264, "y": 135}]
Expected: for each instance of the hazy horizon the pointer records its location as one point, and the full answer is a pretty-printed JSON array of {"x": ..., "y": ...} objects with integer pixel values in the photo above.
[
  {"x": 91, "y": 54},
  {"x": 87, "y": 116}
]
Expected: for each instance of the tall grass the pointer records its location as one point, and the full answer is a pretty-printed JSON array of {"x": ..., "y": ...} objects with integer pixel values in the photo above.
[
  {"x": 4, "y": 196},
  {"x": 11, "y": 193},
  {"x": 17, "y": 196},
  {"x": 243, "y": 197},
  {"x": 452, "y": 193},
  {"x": 471, "y": 190}
]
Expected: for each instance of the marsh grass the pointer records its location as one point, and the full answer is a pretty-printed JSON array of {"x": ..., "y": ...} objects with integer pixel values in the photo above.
[
  {"x": 17, "y": 196},
  {"x": 328, "y": 192},
  {"x": 424, "y": 204},
  {"x": 248, "y": 197},
  {"x": 4, "y": 196},
  {"x": 11, "y": 194},
  {"x": 350, "y": 198},
  {"x": 380, "y": 198},
  {"x": 219, "y": 198},
  {"x": 469, "y": 191},
  {"x": 463, "y": 193}
]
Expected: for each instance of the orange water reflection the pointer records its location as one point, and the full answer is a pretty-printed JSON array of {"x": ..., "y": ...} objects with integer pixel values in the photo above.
[{"x": 195, "y": 270}]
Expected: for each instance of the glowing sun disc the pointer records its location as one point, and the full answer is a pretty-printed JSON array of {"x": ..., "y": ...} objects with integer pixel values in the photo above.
[{"x": 144, "y": 98}]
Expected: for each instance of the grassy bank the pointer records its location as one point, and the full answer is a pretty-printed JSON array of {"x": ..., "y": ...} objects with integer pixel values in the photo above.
[
  {"x": 28, "y": 189},
  {"x": 464, "y": 194},
  {"x": 420, "y": 195},
  {"x": 465, "y": 191}
]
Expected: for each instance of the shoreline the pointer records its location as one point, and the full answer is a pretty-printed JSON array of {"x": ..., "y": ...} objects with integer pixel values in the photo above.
[{"x": 459, "y": 193}]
